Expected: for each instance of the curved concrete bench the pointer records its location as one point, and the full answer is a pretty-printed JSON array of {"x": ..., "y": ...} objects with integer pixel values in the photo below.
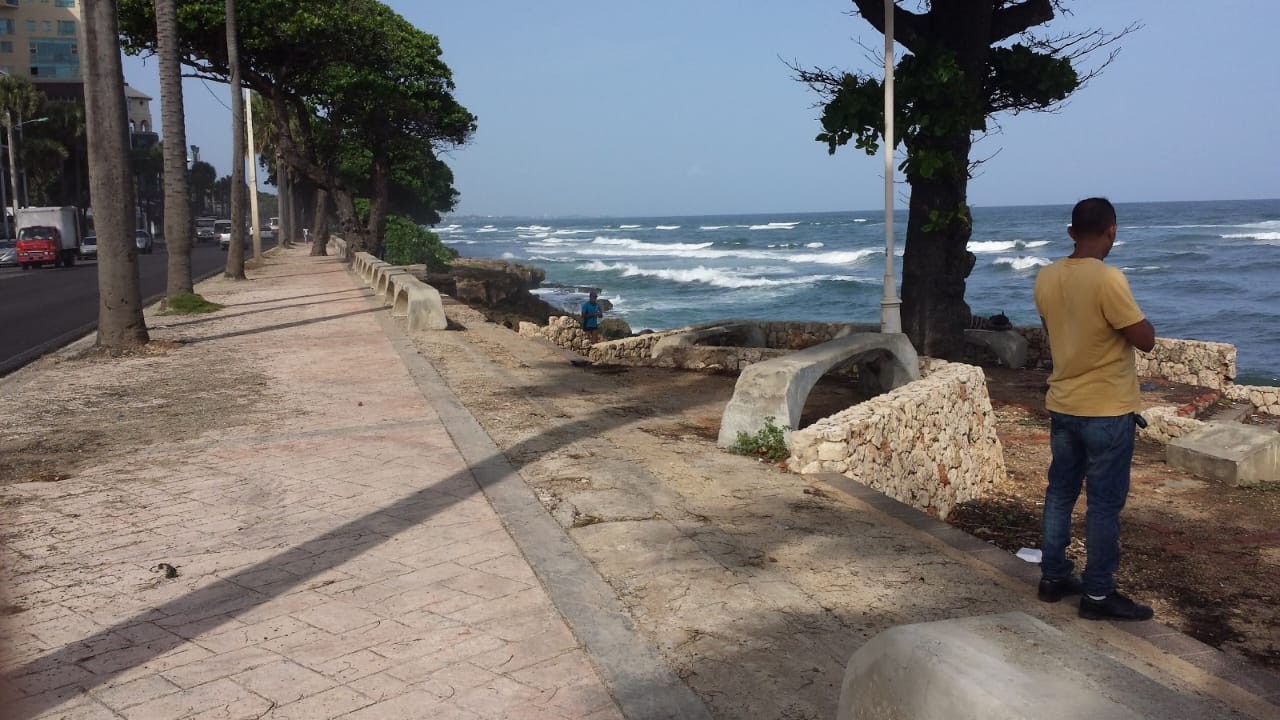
[
  {"x": 1009, "y": 347},
  {"x": 371, "y": 269},
  {"x": 419, "y": 302},
  {"x": 361, "y": 262},
  {"x": 778, "y": 388},
  {"x": 736, "y": 334},
  {"x": 382, "y": 275},
  {"x": 999, "y": 667}
]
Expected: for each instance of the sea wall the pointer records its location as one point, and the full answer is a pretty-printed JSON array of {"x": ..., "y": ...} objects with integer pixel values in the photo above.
[
  {"x": 931, "y": 443},
  {"x": 1193, "y": 362}
]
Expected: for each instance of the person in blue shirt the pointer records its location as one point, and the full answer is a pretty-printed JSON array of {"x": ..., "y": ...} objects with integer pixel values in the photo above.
[{"x": 591, "y": 314}]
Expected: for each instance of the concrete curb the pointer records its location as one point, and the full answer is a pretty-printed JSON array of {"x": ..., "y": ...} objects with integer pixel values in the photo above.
[
  {"x": 1250, "y": 683},
  {"x": 84, "y": 336},
  {"x": 640, "y": 681}
]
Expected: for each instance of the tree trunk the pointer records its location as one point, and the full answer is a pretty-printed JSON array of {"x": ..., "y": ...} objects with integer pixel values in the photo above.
[
  {"x": 936, "y": 260},
  {"x": 235, "y": 251},
  {"x": 178, "y": 230},
  {"x": 378, "y": 204},
  {"x": 320, "y": 231},
  {"x": 285, "y": 185},
  {"x": 121, "y": 325}
]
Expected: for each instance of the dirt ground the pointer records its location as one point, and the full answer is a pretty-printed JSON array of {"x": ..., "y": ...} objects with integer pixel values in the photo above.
[
  {"x": 733, "y": 567},
  {"x": 1204, "y": 554}
]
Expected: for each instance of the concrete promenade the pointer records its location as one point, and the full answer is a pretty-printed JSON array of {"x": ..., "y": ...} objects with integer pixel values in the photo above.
[
  {"x": 335, "y": 556},
  {"x": 346, "y": 541}
]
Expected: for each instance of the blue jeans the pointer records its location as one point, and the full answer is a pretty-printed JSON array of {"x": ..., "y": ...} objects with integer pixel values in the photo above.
[{"x": 1101, "y": 450}]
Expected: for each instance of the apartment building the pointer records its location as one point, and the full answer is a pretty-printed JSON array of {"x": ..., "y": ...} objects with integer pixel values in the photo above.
[{"x": 39, "y": 39}]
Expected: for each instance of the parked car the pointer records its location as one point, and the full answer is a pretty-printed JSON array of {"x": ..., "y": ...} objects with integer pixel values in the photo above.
[
  {"x": 144, "y": 241},
  {"x": 267, "y": 232},
  {"x": 224, "y": 234},
  {"x": 8, "y": 252},
  {"x": 89, "y": 247}
]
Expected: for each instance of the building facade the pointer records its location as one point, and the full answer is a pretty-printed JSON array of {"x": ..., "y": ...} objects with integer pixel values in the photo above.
[{"x": 39, "y": 39}]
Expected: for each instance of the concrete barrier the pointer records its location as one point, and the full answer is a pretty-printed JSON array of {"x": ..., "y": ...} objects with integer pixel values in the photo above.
[
  {"x": 339, "y": 247},
  {"x": 999, "y": 667},
  {"x": 419, "y": 302},
  {"x": 732, "y": 334},
  {"x": 778, "y": 387},
  {"x": 360, "y": 262}
]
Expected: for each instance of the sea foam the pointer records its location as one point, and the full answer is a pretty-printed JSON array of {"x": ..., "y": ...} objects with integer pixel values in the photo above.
[{"x": 1019, "y": 264}]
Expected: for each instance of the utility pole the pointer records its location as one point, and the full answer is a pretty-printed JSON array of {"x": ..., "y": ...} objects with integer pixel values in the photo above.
[{"x": 13, "y": 166}]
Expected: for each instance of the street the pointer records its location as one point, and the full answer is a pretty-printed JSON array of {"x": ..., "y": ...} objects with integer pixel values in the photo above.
[{"x": 46, "y": 308}]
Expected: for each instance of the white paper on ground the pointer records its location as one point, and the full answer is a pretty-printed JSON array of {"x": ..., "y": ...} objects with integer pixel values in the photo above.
[{"x": 1031, "y": 555}]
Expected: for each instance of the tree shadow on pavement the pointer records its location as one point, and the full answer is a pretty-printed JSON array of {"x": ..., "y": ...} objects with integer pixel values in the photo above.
[
  {"x": 282, "y": 326},
  {"x": 213, "y": 316},
  {"x": 228, "y": 597}
]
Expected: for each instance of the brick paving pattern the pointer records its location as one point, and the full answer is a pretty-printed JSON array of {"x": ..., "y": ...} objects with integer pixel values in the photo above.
[{"x": 335, "y": 556}]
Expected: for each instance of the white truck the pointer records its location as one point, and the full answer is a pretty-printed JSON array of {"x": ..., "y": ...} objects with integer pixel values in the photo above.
[{"x": 48, "y": 235}]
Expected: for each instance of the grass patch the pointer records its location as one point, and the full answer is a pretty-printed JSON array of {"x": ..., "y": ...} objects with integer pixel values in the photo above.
[
  {"x": 768, "y": 443},
  {"x": 188, "y": 304}
]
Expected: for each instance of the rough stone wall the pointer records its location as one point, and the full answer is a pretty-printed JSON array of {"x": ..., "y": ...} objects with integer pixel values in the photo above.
[
  {"x": 931, "y": 443},
  {"x": 1166, "y": 423},
  {"x": 562, "y": 330},
  {"x": 1194, "y": 362},
  {"x": 1037, "y": 346},
  {"x": 1265, "y": 398}
]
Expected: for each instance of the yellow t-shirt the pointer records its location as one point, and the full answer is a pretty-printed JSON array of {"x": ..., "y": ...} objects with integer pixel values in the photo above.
[{"x": 1084, "y": 303}]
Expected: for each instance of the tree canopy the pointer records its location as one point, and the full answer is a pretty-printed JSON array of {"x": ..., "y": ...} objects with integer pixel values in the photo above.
[
  {"x": 967, "y": 62},
  {"x": 362, "y": 101}
]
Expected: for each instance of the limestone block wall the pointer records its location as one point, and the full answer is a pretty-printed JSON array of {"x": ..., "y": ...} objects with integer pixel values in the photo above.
[
  {"x": 1166, "y": 423},
  {"x": 1194, "y": 362},
  {"x": 931, "y": 443},
  {"x": 1265, "y": 398},
  {"x": 562, "y": 330}
]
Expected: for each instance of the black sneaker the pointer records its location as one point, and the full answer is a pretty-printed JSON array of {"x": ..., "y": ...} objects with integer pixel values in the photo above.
[
  {"x": 1113, "y": 607},
  {"x": 1054, "y": 589}
]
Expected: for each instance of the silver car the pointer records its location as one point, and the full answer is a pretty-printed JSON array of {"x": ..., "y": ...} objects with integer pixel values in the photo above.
[
  {"x": 89, "y": 247},
  {"x": 8, "y": 252},
  {"x": 144, "y": 241}
]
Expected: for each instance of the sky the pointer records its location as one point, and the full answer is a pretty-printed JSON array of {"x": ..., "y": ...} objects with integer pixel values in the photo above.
[{"x": 672, "y": 107}]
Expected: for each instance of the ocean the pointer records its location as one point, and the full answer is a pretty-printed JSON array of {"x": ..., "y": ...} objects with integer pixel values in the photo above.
[{"x": 1200, "y": 270}]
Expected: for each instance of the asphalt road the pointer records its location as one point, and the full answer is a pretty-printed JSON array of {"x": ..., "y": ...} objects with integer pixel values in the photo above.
[{"x": 45, "y": 308}]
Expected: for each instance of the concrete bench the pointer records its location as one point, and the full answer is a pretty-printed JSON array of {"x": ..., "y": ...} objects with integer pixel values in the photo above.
[
  {"x": 371, "y": 269},
  {"x": 1009, "y": 347},
  {"x": 778, "y": 388},
  {"x": 418, "y": 301},
  {"x": 999, "y": 667},
  {"x": 383, "y": 276},
  {"x": 736, "y": 335},
  {"x": 360, "y": 262}
]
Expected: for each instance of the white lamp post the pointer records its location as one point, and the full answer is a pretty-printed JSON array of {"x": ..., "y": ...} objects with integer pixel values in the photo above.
[{"x": 890, "y": 305}]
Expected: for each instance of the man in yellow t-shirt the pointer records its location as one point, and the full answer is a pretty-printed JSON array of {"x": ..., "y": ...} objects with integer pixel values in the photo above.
[{"x": 1094, "y": 324}]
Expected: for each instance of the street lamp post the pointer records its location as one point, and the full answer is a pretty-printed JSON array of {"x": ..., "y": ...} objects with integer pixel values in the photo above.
[
  {"x": 14, "y": 130},
  {"x": 890, "y": 305}
]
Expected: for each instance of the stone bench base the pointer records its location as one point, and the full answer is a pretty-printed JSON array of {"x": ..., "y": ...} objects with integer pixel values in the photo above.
[
  {"x": 999, "y": 667},
  {"x": 1230, "y": 452}
]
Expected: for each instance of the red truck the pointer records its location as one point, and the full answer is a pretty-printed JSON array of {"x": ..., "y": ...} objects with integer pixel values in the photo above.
[{"x": 48, "y": 235}]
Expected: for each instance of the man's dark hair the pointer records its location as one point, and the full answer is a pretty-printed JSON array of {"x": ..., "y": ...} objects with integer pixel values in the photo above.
[{"x": 1093, "y": 216}]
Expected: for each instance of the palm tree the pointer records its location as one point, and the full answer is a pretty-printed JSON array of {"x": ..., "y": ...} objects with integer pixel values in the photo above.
[
  {"x": 120, "y": 322},
  {"x": 18, "y": 99},
  {"x": 235, "y": 252},
  {"x": 178, "y": 229}
]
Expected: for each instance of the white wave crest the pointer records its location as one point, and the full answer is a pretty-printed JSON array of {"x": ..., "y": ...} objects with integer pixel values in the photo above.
[
  {"x": 712, "y": 227},
  {"x": 534, "y": 228},
  {"x": 775, "y": 226},
  {"x": 704, "y": 275},
  {"x": 989, "y": 246},
  {"x": 838, "y": 257},
  {"x": 648, "y": 247},
  {"x": 859, "y": 219},
  {"x": 666, "y": 227},
  {"x": 1266, "y": 237},
  {"x": 1026, "y": 262},
  {"x": 487, "y": 229},
  {"x": 628, "y": 227}
]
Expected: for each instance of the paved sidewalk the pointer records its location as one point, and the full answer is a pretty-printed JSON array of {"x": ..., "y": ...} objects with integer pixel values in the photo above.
[{"x": 335, "y": 555}]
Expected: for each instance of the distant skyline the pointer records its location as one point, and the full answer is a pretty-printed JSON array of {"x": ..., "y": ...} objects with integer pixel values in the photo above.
[{"x": 676, "y": 108}]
